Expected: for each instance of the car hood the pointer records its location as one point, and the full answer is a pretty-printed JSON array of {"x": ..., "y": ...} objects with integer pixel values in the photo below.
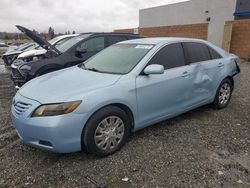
[
  {"x": 32, "y": 53},
  {"x": 13, "y": 52},
  {"x": 62, "y": 85},
  {"x": 37, "y": 38}
]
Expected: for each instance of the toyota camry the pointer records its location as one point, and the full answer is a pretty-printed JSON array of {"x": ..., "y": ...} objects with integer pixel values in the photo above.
[{"x": 128, "y": 86}]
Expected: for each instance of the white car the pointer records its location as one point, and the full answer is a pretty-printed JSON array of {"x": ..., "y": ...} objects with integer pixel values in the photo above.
[{"x": 39, "y": 52}]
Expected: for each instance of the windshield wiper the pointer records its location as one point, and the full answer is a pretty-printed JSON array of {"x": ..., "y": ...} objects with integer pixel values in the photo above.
[{"x": 90, "y": 69}]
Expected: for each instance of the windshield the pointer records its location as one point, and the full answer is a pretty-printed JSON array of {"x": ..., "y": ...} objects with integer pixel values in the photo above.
[
  {"x": 22, "y": 46},
  {"x": 71, "y": 42},
  {"x": 52, "y": 41},
  {"x": 30, "y": 47},
  {"x": 27, "y": 47},
  {"x": 117, "y": 59},
  {"x": 57, "y": 41}
]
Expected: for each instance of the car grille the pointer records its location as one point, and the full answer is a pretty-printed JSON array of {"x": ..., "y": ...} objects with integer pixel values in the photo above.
[
  {"x": 16, "y": 73},
  {"x": 17, "y": 77},
  {"x": 21, "y": 107}
]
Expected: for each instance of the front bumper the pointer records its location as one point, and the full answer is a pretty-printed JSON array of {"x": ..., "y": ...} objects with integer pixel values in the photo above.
[
  {"x": 17, "y": 77},
  {"x": 60, "y": 134}
]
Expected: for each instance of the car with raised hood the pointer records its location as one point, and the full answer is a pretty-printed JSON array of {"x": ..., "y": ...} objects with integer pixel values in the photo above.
[
  {"x": 126, "y": 87},
  {"x": 10, "y": 56},
  {"x": 70, "y": 53},
  {"x": 39, "y": 52}
]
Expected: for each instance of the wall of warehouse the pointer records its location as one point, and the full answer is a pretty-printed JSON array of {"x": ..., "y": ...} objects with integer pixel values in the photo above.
[
  {"x": 191, "y": 12},
  {"x": 199, "y": 31},
  {"x": 240, "y": 39}
]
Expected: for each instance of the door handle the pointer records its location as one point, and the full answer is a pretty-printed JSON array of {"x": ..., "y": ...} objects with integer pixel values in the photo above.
[
  {"x": 185, "y": 74},
  {"x": 221, "y": 64}
]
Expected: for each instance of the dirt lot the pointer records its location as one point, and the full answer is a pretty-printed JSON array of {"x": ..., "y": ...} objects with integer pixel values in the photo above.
[{"x": 202, "y": 148}]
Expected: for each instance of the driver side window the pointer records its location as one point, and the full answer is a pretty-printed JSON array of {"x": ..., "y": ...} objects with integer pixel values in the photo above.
[
  {"x": 93, "y": 44},
  {"x": 170, "y": 56}
]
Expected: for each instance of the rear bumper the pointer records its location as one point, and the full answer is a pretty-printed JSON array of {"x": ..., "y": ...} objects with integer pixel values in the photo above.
[{"x": 236, "y": 78}]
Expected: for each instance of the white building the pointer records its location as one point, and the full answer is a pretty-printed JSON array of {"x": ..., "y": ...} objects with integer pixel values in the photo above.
[{"x": 214, "y": 12}]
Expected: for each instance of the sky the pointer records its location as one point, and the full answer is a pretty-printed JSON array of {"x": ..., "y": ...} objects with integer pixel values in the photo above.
[{"x": 69, "y": 15}]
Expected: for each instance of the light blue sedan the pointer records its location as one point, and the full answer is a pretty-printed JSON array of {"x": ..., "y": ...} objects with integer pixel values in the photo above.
[{"x": 124, "y": 88}]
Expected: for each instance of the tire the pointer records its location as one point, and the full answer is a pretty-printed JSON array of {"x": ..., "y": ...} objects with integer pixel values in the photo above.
[
  {"x": 223, "y": 94},
  {"x": 100, "y": 138}
]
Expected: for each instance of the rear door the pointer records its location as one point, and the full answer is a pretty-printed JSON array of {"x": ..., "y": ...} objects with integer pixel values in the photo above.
[
  {"x": 160, "y": 96},
  {"x": 205, "y": 70}
]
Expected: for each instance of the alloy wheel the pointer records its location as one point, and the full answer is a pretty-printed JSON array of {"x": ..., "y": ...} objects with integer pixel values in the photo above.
[
  {"x": 224, "y": 94},
  {"x": 109, "y": 133}
]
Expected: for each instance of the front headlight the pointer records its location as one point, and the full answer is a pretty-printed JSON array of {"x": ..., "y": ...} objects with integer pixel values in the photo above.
[{"x": 55, "y": 109}]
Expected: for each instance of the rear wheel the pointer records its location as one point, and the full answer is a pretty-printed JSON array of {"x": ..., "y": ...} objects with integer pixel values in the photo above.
[
  {"x": 223, "y": 95},
  {"x": 106, "y": 131}
]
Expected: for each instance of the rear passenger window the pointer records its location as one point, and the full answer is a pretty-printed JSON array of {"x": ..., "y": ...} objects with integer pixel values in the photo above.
[
  {"x": 214, "y": 54},
  {"x": 196, "y": 52},
  {"x": 115, "y": 39},
  {"x": 170, "y": 56}
]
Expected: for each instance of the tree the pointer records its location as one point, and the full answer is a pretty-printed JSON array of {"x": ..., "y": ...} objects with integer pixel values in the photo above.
[
  {"x": 6, "y": 37},
  {"x": 73, "y": 32},
  {"x": 51, "y": 33}
]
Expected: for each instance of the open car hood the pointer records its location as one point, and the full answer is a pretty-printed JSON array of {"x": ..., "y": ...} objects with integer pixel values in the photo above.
[{"x": 38, "y": 39}]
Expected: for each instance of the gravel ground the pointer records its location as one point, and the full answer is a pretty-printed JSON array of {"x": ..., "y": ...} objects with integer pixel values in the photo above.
[{"x": 202, "y": 148}]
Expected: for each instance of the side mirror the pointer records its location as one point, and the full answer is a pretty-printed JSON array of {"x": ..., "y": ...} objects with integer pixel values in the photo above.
[
  {"x": 154, "y": 69},
  {"x": 45, "y": 47},
  {"x": 80, "y": 51}
]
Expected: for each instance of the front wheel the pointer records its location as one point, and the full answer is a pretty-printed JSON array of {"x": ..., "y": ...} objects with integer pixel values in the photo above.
[
  {"x": 223, "y": 95},
  {"x": 106, "y": 131}
]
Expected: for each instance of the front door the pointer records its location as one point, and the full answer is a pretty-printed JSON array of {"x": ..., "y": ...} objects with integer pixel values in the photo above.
[
  {"x": 90, "y": 48},
  {"x": 161, "y": 96}
]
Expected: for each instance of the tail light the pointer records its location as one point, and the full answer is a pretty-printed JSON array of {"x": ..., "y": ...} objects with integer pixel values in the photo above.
[{"x": 237, "y": 66}]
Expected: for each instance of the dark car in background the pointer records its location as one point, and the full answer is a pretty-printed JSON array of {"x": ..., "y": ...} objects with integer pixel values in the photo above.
[{"x": 70, "y": 53}]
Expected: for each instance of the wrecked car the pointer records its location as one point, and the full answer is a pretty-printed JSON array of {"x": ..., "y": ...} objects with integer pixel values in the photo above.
[
  {"x": 39, "y": 52},
  {"x": 11, "y": 55},
  {"x": 70, "y": 53},
  {"x": 133, "y": 84}
]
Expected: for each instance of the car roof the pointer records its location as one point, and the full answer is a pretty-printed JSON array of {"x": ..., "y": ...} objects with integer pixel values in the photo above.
[
  {"x": 159, "y": 40},
  {"x": 110, "y": 33},
  {"x": 66, "y": 36}
]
